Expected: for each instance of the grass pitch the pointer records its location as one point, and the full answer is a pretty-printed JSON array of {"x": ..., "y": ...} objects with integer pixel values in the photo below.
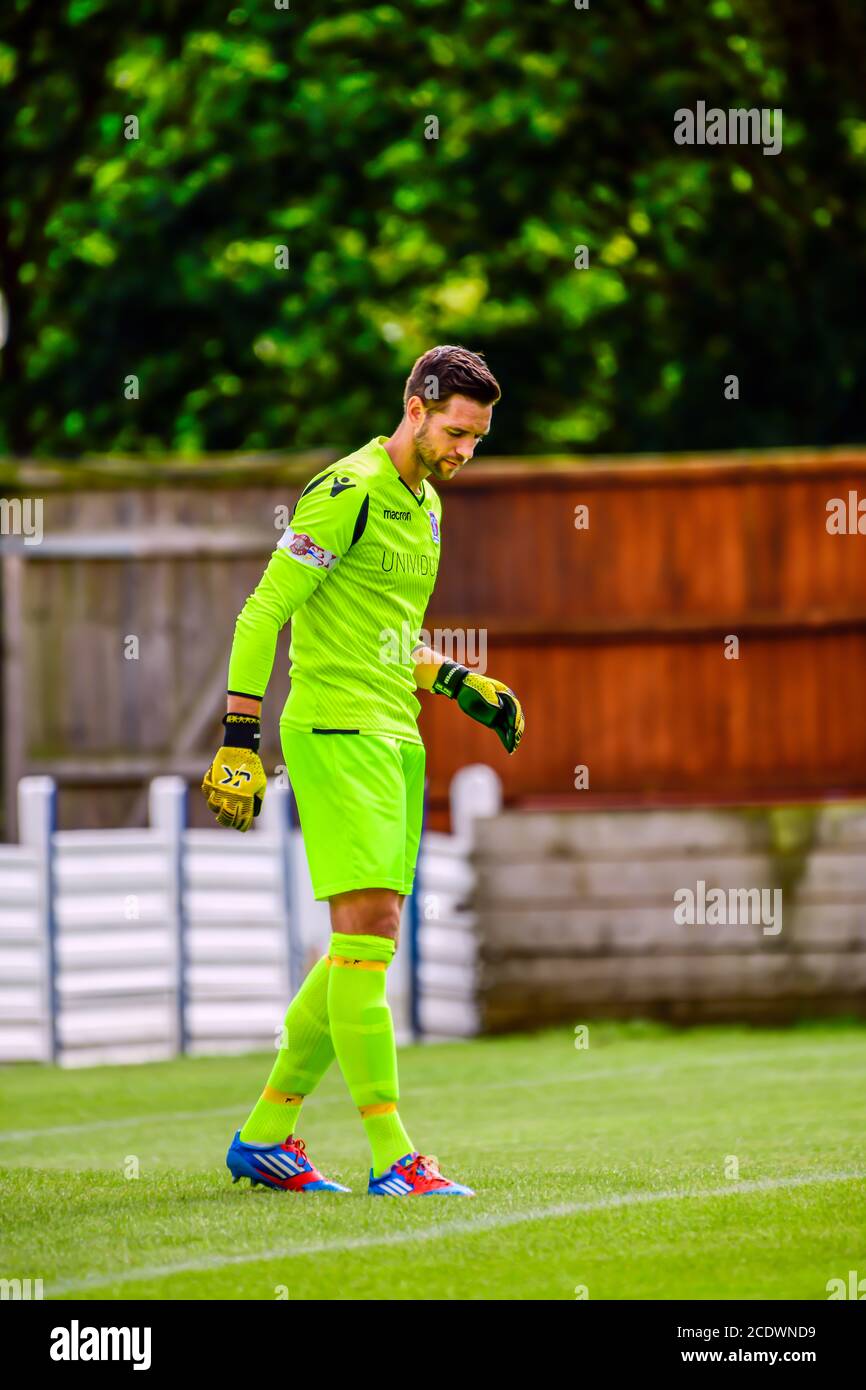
[{"x": 608, "y": 1170}]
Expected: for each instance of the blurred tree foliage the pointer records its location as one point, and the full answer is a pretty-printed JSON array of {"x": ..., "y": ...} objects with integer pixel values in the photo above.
[{"x": 305, "y": 127}]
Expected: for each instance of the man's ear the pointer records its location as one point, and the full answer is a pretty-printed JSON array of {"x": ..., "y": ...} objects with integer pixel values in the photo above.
[{"x": 415, "y": 410}]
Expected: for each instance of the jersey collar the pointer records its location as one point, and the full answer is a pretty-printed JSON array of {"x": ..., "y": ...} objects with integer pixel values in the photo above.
[{"x": 381, "y": 440}]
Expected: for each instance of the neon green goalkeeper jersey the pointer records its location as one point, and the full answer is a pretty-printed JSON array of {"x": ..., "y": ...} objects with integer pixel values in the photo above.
[{"x": 354, "y": 571}]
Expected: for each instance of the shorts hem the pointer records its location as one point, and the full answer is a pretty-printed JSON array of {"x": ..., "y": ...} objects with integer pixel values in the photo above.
[{"x": 346, "y": 886}]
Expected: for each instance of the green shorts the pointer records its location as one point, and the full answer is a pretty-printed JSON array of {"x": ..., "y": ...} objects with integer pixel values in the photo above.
[{"x": 360, "y": 801}]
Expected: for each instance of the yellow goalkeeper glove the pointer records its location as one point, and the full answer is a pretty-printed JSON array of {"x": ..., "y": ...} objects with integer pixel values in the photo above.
[
  {"x": 234, "y": 784},
  {"x": 484, "y": 699}
]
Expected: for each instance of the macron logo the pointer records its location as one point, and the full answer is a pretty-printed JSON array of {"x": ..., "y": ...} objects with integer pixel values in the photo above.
[
  {"x": 391, "y": 515},
  {"x": 77, "y": 1343},
  {"x": 339, "y": 485}
]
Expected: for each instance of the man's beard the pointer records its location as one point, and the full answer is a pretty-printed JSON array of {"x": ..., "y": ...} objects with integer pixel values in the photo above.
[{"x": 426, "y": 456}]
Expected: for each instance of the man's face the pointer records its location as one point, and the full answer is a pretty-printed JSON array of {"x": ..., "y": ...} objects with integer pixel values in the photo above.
[{"x": 446, "y": 439}]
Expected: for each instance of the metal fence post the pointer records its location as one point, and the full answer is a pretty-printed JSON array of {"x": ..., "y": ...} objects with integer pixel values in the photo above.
[
  {"x": 37, "y": 821},
  {"x": 167, "y": 813}
]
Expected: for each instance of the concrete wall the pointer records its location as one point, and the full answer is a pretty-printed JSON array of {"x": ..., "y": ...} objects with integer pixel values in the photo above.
[{"x": 577, "y": 918}]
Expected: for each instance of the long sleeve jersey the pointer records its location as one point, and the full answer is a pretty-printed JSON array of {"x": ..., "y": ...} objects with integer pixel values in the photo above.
[{"x": 354, "y": 571}]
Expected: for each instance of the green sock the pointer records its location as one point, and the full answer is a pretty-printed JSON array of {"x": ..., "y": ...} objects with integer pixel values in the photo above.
[
  {"x": 302, "y": 1061},
  {"x": 363, "y": 1034}
]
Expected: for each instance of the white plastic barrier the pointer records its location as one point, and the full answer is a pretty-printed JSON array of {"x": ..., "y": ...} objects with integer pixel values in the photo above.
[
  {"x": 27, "y": 968},
  {"x": 447, "y": 969},
  {"x": 134, "y": 945}
]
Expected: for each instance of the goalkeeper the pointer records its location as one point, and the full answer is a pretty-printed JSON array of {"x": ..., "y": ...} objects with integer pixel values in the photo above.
[{"x": 355, "y": 567}]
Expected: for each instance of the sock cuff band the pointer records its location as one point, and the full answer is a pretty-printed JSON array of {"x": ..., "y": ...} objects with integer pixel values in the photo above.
[
  {"x": 348, "y": 948},
  {"x": 358, "y": 964},
  {"x": 386, "y": 1107},
  {"x": 281, "y": 1097}
]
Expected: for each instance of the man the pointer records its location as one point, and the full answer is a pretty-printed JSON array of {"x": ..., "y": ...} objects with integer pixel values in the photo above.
[{"x": 355, "y": 570}]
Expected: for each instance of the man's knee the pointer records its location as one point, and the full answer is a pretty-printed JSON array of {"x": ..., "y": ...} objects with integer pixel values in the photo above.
[{"x": 367, "y": 912}]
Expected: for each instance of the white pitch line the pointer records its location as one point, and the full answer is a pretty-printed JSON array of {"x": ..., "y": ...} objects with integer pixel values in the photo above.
[
  {"x": 444, "y": 1231},
  {"x": 10, "y": 1136}
]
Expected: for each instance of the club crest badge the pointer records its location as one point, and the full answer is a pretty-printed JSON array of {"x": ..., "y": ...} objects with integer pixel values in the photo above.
[
  {"x": 434, "y": 527},
  {"x": 304, "y": 548}
]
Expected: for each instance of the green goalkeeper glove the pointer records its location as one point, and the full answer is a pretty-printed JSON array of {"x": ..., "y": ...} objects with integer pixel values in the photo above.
[
  {"x": 234, "y": 784},
  {"x": 484, "y": 699}
]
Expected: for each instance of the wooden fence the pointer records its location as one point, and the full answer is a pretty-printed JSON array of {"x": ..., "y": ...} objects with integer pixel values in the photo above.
[{"x": 695, "y": 634}]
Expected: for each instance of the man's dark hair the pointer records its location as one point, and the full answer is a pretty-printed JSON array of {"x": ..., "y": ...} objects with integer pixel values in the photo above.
[{"x": 451, "y": 371}]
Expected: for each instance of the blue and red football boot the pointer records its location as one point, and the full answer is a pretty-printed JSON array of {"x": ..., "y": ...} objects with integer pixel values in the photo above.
[
  {"x": 284, "y": 1167},
  {"x": 415, "y": 1176}
]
